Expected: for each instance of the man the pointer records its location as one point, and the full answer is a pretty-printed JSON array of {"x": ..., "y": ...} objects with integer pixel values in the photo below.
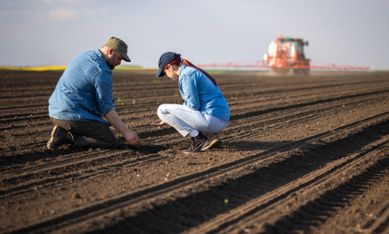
[{"x": 83, "y": 97}]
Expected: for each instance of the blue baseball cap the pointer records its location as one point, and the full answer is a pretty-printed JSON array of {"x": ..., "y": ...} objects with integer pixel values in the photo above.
[{"x": 164, "y": 60}]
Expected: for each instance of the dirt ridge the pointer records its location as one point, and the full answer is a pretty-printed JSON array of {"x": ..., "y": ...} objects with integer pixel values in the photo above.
[{"x": 300, "y": 154}]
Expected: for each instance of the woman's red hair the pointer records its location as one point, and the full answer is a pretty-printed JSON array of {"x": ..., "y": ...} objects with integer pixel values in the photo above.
[{"x": 178, "y": 60}]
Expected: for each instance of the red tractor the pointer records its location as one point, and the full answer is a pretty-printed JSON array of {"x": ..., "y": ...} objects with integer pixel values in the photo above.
[{"x": 287, "y": 54}]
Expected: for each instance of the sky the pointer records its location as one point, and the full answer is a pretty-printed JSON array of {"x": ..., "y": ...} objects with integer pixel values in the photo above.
[{"x": 53, "y": 32}]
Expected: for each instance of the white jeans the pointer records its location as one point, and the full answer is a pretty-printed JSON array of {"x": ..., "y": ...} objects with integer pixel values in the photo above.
[{"x": 188, "y": 121}]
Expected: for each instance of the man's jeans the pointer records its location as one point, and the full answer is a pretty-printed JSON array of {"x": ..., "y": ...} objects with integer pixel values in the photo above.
[
  {"x": 88, "y": 133},
  {"x": 188, "y": 121}
]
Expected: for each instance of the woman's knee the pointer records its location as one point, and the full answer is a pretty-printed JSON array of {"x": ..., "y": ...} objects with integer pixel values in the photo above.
[
  {"x": 160, "y": 109},
  {"x": 163, "y": 110}
]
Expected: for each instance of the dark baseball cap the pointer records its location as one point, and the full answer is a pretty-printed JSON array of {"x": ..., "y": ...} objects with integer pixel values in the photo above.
[
  {"x": 164, "y": 60},
  {"x": 118, "y": 45}
]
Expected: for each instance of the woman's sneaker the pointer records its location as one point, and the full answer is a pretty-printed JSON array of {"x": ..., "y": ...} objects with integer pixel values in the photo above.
[
  {"x": 58, "y": 137},
  {"x": 212, "y": 142},
  {"x": 197, "y": 143}
]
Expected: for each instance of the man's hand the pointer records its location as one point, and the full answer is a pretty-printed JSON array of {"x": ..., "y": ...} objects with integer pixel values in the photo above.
[{"x": 132, "y": 138}]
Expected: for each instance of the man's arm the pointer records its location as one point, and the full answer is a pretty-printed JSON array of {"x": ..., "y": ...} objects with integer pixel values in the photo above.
[{"x": 130, "y": 136}]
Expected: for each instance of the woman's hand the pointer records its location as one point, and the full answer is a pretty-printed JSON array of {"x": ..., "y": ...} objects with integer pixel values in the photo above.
[{"x": 158, "y": 123}]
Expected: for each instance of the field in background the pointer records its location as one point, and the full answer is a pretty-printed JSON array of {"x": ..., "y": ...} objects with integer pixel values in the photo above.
[
  {"x": 61, "y": 68},
  {"x": 33, "y": 68}
]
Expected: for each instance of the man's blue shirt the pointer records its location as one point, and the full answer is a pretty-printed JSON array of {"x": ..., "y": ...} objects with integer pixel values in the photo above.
[
  {"x": 84, "y": 91},
  {"x": 200, "y": 93}
]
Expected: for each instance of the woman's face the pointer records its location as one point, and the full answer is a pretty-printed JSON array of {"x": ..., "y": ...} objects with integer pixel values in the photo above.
[{"x": 171, "y": 71}]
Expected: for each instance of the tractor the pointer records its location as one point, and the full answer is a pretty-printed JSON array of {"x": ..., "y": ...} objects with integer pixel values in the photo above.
[{"x": 286, "y": 54}]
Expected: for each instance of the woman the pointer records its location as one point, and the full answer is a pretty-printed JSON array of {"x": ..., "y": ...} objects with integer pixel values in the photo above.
[{"x": 204, "y": 112}]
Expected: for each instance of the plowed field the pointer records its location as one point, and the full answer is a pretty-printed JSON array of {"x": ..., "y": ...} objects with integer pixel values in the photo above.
[{"x": 300, "y": 154}]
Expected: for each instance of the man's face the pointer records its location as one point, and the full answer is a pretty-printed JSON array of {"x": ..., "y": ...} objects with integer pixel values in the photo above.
[{"x": 114, "y": 59}]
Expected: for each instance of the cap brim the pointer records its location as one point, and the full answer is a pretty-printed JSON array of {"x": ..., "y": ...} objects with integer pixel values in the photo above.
[
  {"x": 160, "y": 73},
  {"x": 126, "y": 58}
]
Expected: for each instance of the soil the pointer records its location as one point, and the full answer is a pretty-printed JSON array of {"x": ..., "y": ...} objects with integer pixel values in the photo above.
[{"x": 300, "y": 154}]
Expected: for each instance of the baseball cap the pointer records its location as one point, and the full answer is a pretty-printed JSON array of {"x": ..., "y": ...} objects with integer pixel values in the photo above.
[
  {"x": 164, "y": 60},
  {"x": 118, "y": 45}
]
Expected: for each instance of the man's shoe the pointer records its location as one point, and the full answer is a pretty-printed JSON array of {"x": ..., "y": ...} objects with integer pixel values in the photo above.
[
  {"x": 212, "y": 142},
  {"x": 197, "y": 143},
  {"x": 58, "y": 137}
]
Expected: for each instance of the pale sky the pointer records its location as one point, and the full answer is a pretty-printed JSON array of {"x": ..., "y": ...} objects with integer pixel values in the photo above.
[{"x": 53, "y": 32}]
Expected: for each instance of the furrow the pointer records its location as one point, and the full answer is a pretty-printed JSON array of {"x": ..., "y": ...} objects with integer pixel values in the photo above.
[{"x": 151, "y": 194}]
